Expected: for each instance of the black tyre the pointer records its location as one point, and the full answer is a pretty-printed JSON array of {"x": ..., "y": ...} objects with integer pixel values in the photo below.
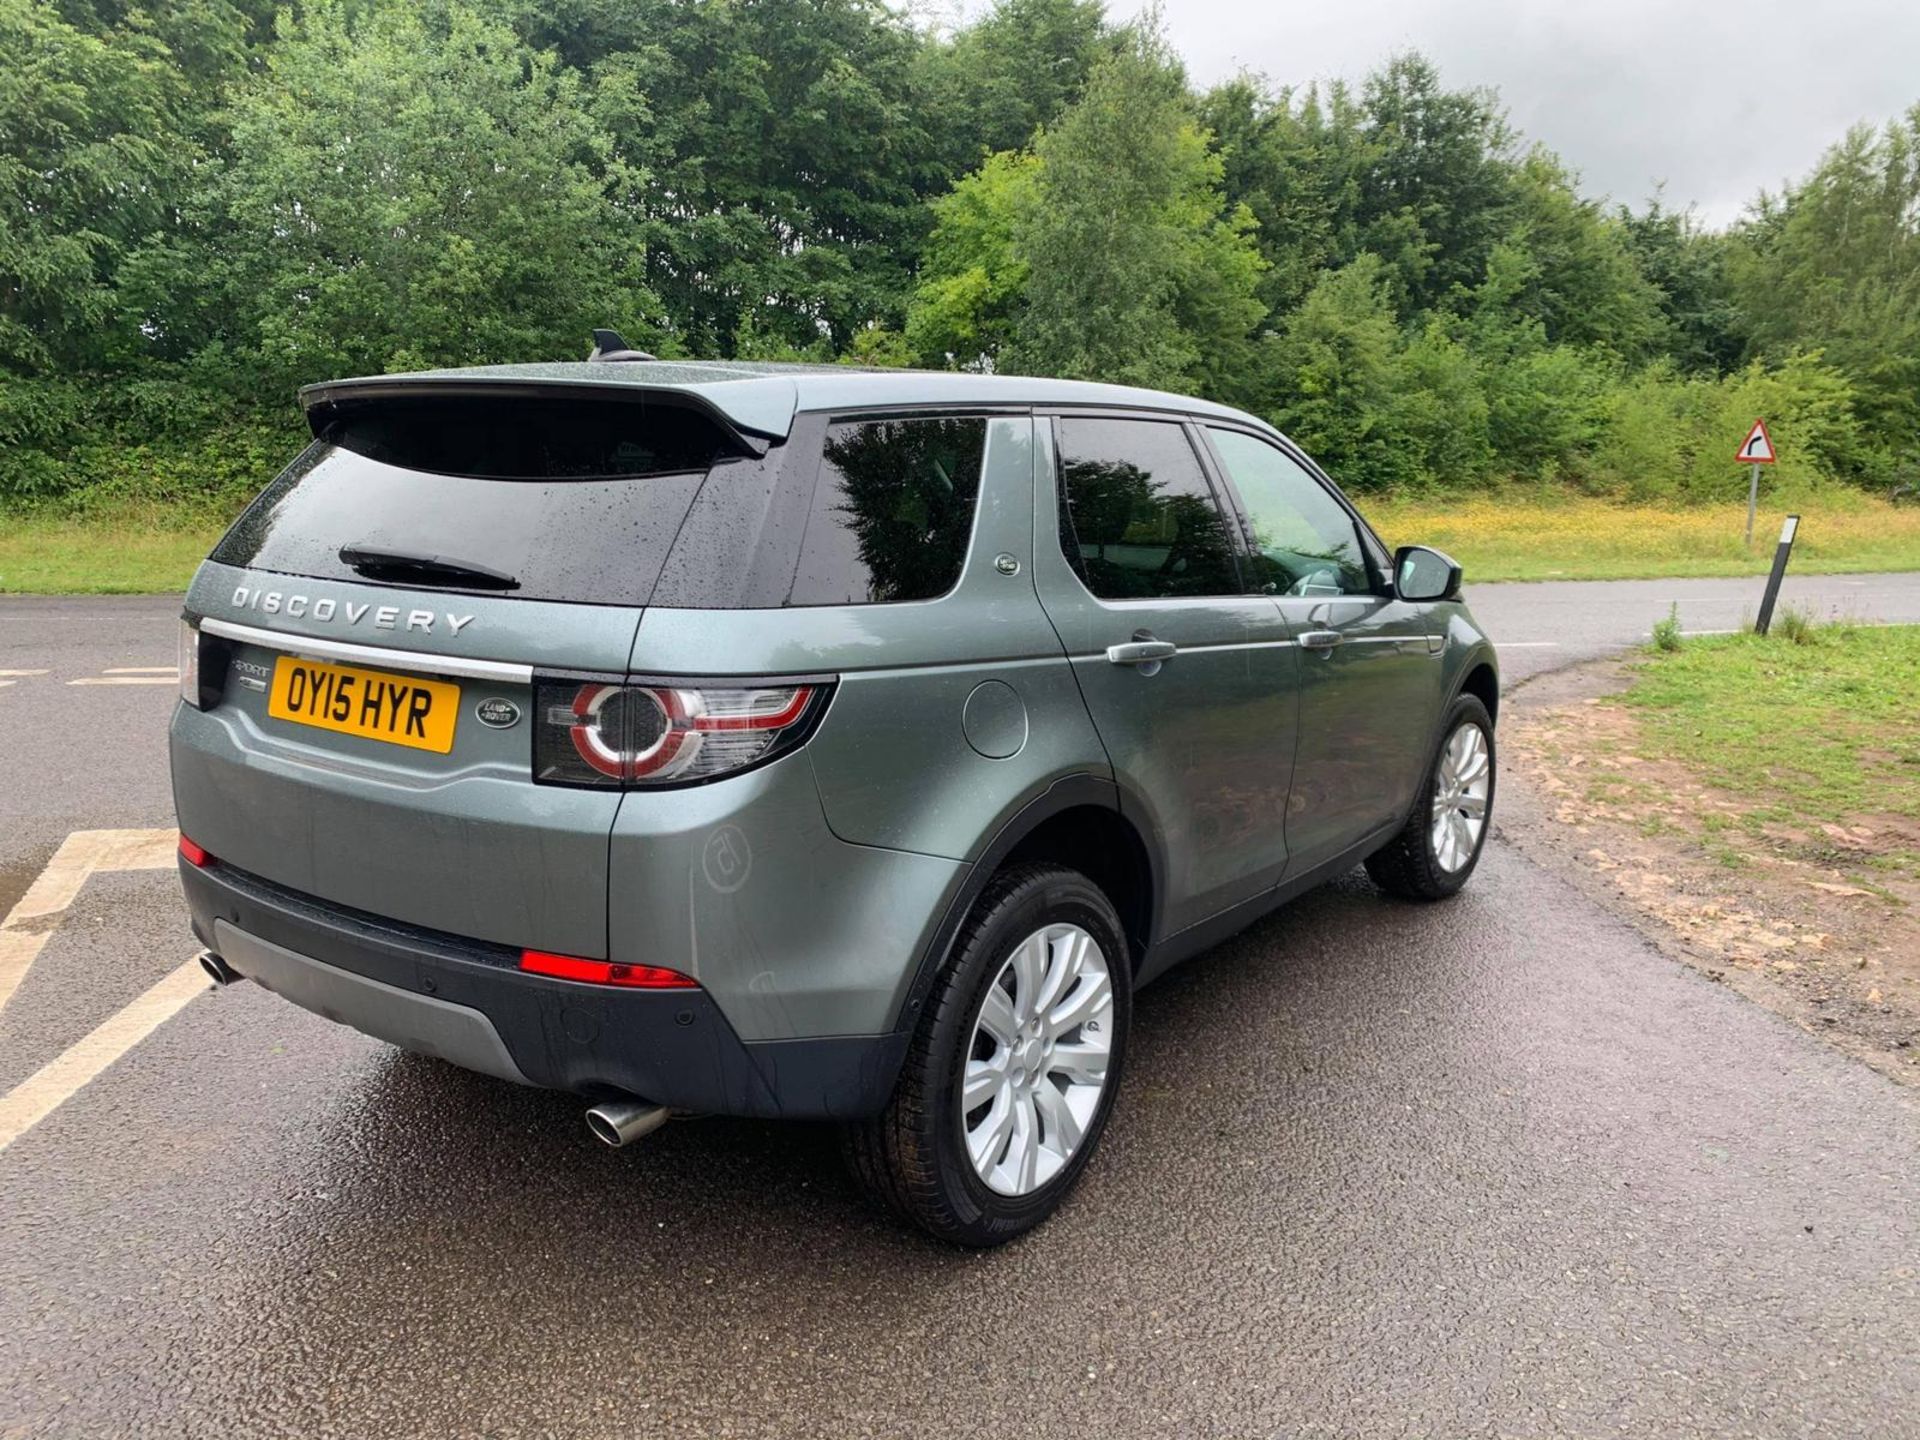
[
  {"x": 1013, "y": 1069},
  {"x": 1436, "y": 852}
]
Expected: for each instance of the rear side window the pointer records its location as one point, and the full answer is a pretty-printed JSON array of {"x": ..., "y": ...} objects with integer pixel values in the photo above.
[
  {"x": 1138, "y": 519},
  {"x": 575, "y": 500},
  {"x": 892, "y": 511}
]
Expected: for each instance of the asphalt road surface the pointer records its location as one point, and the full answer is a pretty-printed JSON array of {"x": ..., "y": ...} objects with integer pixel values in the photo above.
[{"x": 1491, "y": 1167}]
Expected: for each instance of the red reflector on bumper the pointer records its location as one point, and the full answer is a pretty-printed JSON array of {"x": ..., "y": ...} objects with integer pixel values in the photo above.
[
  {"x": 193, "y": 854},
  {"x": 605, "y": 972}
]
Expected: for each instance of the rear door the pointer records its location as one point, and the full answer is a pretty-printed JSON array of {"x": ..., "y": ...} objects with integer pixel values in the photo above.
[
  {"x": 370, "y": 630},
  {"x": 1189, "y": 678},
  {"x": 1369, "y": 682}
]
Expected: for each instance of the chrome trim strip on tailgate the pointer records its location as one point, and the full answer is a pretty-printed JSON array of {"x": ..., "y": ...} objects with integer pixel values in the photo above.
[{"x": 370, "y": 654}]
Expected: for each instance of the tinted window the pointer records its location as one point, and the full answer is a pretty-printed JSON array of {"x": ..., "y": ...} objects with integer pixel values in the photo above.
[
  {"x": 519, "y": 439},
  {"x": 1138, "y": 519},
  {"x": 892, "y": 511},
  {"x": 566, "y": 530},
  {"x": 1304, "y": 541}
]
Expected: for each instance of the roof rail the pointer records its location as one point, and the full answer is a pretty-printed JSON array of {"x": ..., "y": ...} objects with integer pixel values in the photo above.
[{"x": 607, "y": 345}]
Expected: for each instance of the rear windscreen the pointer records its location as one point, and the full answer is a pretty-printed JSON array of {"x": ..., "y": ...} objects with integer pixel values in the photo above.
[{"x": 566, "y": 500}]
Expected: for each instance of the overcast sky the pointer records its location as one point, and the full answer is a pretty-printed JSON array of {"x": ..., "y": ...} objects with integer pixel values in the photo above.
[{"x": 1718, "y": 98}]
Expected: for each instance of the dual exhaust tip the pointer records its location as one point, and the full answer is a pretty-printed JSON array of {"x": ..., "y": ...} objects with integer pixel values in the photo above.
[{"x": 616, "y": 1123}]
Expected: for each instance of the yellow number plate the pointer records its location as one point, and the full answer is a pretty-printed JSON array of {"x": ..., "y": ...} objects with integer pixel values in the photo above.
[{"x": 371, "y": 703}]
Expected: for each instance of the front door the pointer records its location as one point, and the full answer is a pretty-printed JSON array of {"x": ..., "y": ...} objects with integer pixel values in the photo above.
[
  {"x": 1369, "y": 680},
  {"x": 1189, "y": 678}
]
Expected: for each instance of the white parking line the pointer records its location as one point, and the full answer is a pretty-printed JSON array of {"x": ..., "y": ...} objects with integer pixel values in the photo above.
[
  {"x": 8, "y": 682},
  {"x": 1526, "y": 644},
  {"x": 79, "y": 855},
  {"x": 18, "y": 951},
  {"x": 128, "y": 680},
  {"x": 22, "y": 672},
  {"x": 173, "y": 670},
  {"x": 59, "y": 1080}
]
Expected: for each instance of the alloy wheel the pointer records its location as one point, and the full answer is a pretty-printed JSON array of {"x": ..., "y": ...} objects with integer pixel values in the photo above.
[
  {"x": 1461, "y": 786},
  {"x": 1037, "y": 1063}
]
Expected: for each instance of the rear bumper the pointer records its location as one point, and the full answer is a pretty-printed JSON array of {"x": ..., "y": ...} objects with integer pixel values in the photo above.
[{"x": 467, "y": 1002}]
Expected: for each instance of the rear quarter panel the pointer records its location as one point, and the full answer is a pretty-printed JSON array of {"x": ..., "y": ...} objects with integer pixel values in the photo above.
[{"x": 925, "y": 687}]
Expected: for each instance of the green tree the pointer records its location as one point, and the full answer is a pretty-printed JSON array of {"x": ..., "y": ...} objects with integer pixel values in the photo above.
[
  {"x": 409, "y": 188},
  {"x": 1584, "y": 283},
  {"x": 1834, "y": 264},
  {"x": 782, "y": 154},
  {"x": 1138, "y": 271},
  {"x": 972, "y": 280},
  {"x": 91, "y": 154},
  {"x": 1436, "y": 187},
  {"x": 1295, "y": 161},
  {"x": 1335, "y": 365},
  {"x": 1545, "y": 400},
  {"x": 1015, "y": 69},
  {"x": 1687, "y": 266}
]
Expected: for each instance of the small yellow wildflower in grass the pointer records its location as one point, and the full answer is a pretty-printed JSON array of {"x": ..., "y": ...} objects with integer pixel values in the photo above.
[{"x": 1534, "y": 538}]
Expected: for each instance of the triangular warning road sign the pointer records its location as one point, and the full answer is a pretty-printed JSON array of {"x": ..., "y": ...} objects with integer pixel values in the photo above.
[{"x": 1757, "y": 448}]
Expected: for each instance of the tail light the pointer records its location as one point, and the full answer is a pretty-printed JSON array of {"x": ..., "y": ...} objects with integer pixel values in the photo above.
[
  {"x": 194, "y": 855},
  {"x": 633, "y": 736}
]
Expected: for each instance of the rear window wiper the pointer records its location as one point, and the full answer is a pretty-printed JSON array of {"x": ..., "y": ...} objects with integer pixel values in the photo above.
[{"x": 375, "y": 562}]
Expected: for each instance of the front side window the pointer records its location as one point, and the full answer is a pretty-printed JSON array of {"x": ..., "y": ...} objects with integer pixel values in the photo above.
[
  {"x": 1137, "y": 517},
  {"x": 892, "y": 511},
  {"x": 1304, "y": 541}
]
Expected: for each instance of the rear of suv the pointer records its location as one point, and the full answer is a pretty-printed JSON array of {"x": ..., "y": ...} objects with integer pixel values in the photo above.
[{"x": 810, "y": 743}]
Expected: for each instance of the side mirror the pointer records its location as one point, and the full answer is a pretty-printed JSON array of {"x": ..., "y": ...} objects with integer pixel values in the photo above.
[{"x": 1421, "y": 574}]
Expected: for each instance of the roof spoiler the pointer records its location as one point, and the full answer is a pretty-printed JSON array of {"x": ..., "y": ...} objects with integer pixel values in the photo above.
[{"x": 325, "y": 402}]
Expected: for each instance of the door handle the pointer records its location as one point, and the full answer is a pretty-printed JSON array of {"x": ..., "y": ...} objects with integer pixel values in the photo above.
[
  {"x": 1322, "y": 640},
  {"x": 1142, "y": 652}
]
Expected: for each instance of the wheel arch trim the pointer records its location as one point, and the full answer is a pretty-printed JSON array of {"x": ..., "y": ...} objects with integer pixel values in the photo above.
[{"x": 1070, "y": 792}]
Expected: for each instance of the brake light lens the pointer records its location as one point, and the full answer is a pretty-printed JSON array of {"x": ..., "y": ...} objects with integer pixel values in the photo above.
[
  {"x": 194, "y": 855},
  {"x": 605, "y": 972},
  {"x": 634, "y": 736}
]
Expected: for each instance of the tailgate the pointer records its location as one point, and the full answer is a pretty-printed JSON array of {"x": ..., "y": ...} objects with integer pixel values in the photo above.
[{"x": 372, "y": 747}]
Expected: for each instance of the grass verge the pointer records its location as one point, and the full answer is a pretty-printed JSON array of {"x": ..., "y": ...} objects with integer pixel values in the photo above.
[
  {"x": 45, "y": 556},
  {"x": 1587, "y": 539},
  {"x": 1754, "y": 804},
  {"x": 1811, "y": 729}
]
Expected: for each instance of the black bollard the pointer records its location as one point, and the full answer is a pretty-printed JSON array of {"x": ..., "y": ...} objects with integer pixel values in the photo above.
[{"x": 1785, "y": 548}]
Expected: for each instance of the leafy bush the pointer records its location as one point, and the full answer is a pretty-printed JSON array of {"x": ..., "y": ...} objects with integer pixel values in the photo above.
[
  {"x": 77, "y": 444},
  {"x": 1672, "y": 437}
]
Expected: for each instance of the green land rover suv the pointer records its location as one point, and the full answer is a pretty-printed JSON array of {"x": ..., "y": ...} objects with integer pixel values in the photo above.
[{"x": 810, "y": 742}]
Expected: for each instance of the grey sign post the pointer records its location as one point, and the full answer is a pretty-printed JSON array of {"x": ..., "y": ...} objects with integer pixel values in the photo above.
[{"x": 1756, "y": 450}]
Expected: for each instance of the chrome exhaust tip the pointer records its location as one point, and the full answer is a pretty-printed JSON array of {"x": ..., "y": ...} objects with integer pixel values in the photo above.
[
  {"x": 621, "y": 1122},
  {"x": 217, "y": 969}
]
